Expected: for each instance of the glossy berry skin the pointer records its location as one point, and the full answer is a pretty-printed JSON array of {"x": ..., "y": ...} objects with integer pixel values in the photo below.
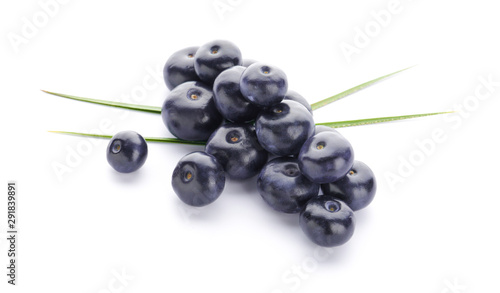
[
  {"x": 198, "y": 179},
  {"x": 323, "y": 128},
  {"x": 283, "y": 128},
  {"x": 327, "y": 221},
  {"x": 189, "y": 111},
  {"x": 247, "y": 62},
  {"x": 357, "y": 188},
  {"x": 127, "y": 151},
  {"x": 294, "y": 96},
  {"x": 263, "y": 84},
  {"x": 215, "y": 57},
  {"x": 326, "y": 157},
  {"x": 179, "y": 68},
  {"x": 228, "y": 98},
  {"x": 236, "y": 148},
  {"x": 283, "y": 187}
]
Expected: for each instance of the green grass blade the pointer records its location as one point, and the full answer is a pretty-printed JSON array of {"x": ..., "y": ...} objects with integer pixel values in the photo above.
[
  {"x": 151, "y": 139},
  {"x": 351, "y": 91},
  {"x": 174, "y": 140},
  {"x": 157, "y": 110},
  {"x": 349, "y": 123},
  {"x": 144, "y": 108},
  {"x": 336, "y": 124}
]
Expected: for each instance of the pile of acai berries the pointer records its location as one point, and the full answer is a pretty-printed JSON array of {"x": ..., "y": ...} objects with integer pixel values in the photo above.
[{"x": 254, "y": 126}]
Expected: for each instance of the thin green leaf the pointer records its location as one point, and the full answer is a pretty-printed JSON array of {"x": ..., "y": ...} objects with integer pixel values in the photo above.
[
  {"x": 349, "y": 123},
  {"x": 144, "y": 108},
  {"x": 351, "y": 91},
  {"x": 151, "y": 139},
  {"x": 337, "y": 124},
  {"x": 157, "y": 110}
]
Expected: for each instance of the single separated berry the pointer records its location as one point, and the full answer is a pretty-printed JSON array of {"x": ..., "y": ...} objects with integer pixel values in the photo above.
[
  {"x": 237, "y": 149},
  {"x": 215, "y": 57},
  {"x": 327, "y": 221},
  {"x": 357, "y": 188},
  {"x": 179, "y": 68},
  {"x": 282, "y": 129},
  {"x": 127, "y": 151},
  {"x": 263, "y": 84},
  {"x": 283, "y": 187},
  {"x": 326, "y": 157},
  {"x": 189, "y": 111},
  {"x": 294, "y": 96},
  {"x": 228, "y": 98},
  {"x": 198, "y": 179}
]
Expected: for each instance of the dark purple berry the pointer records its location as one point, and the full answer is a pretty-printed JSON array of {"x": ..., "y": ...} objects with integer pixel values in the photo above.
[
  {"x": 282, "y": 129},
  {"x": 294, "y": 96},
  {"x": 326, "y": 157},
  {"x": 228, "y": 98},
  {"x": 327, "y": 221},
  {"x": 237, "y": 149},
  {"x": 323, "y": 128},
  {"x": 263, "y": 84},
  {"x": 283, "y": 187},
  {"x": 189, "y": 111},
  {"x": 215, "y": 57},
  {"x": 357, "y": 188},
  {"x": 247, "y": 62},
  {"x": 180, "y": 68},
  {"x": 198, "y": 179},
  {"x": 127, "y": 151}
]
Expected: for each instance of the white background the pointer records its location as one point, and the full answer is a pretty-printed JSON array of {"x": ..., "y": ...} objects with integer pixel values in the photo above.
[{"x": 434, "y": 230}]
